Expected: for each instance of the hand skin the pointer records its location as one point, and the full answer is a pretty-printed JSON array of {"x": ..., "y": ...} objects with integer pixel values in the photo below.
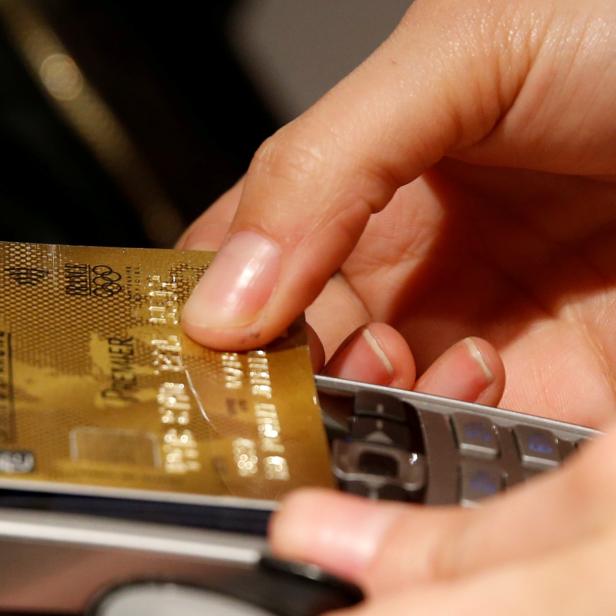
[
  {"x": 461, "y": 182},
  {"x": 545, "y": 548}
]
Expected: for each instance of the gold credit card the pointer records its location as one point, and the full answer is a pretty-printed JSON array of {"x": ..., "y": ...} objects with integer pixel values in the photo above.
[{"x": 100, "y": 386}]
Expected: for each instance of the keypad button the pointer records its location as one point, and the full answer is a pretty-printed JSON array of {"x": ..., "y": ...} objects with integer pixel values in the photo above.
[
  {"x": 383, "y": 492},
  {"x": 380, "y": 431},
  {"x": 479, "y": 482},
  {"x": 396, "y": 493},
  {"x": 360, "y": 488},
  {"x": 538, "y": 448},
  {"x": 476, "y": 436},
  {"x": 377, "y": 464},
  {"x": 372, "y": 404}
]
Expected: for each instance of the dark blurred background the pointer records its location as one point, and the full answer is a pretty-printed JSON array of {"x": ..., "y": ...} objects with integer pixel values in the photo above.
[{"x": 121, "y": 121}]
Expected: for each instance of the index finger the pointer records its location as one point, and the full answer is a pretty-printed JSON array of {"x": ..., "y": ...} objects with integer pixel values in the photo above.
[{"x": 312, "y": 187}]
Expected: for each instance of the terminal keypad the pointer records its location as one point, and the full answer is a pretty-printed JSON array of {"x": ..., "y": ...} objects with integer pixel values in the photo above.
[{"x": 391, "y": 453}]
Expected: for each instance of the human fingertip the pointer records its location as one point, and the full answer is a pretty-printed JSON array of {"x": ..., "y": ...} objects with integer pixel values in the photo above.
[
  {"x": 470, "y": 370},
  {"x": 204, "y": 244},
  {"x": 293, "y": 527},
  {"x": 338, "y": 532},
  {"x": 475, "y": 353},
  {"x": 489, "y": 363},
  {"x": 236, "y": 287},
  {"x": 377, "y": 354}
]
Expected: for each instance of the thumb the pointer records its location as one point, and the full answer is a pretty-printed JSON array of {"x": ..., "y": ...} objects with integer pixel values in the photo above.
[{"x": 432, "y": 87}]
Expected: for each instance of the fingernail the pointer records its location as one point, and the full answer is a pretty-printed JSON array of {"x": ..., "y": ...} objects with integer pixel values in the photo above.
[
  {"x": 462, "y": 372},
  {"x": 362, "y": 359},
  {"x": 476, "y": 355},
  {"x": 237, "y": 285},
  {"x": 377, "y": 350},
  {"x": 339, "y": 532}
]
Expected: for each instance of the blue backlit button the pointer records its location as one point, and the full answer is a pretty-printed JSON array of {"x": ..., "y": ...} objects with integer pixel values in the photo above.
[
  {"x": 538, "y": 448},
  {"x": 478, "y": 482},
  {"x": 476, "y": 436}
]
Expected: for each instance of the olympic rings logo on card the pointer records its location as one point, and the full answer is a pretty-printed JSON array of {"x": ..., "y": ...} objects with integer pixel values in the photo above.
[
  {"x": 82, "y": 279},
  {"x": 105, "y": 281}
]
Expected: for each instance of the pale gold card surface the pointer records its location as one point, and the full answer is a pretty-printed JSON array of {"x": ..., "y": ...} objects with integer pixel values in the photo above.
[{"x": 100, "y": 386}]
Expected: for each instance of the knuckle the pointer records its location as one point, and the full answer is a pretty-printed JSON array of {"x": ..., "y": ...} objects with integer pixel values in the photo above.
[{"x": 288, "y": 156}]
